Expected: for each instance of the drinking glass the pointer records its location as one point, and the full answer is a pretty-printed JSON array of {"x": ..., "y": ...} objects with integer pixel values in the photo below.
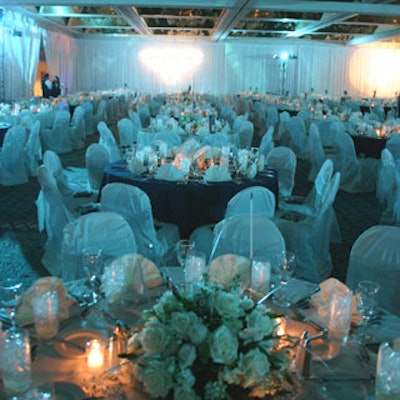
[
  {"x": 45, "y": 311},
  {"x": 10, "y": 295},
  {"x": 92, "y": 263},
  {"x": 367, "y": 301},
  {"x": 284, "y": 267},
  {"x": 182, "y": 249},
  {"x": 260, "y": 280},
  {"x": 15, "y": 361},
  {"x": 195, "y": 266},
  {"x": 388, "y": 371}
]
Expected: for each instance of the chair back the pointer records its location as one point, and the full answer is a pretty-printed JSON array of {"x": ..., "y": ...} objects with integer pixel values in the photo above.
[
  {"x": 96, "y": 159},
  {"x": 107, "y": 140},
  {"x": 126, "y": 132},
  {"x": 33, "y": 149}
]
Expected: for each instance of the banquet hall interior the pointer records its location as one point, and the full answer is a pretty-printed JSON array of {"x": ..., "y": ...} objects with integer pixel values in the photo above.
[{"x": 182, "y": 106}]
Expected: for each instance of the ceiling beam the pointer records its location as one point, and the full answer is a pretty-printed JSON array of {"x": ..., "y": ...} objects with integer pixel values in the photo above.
[
  {"x": 376, "y": 37},
  {"x": 133, "y": 18}
]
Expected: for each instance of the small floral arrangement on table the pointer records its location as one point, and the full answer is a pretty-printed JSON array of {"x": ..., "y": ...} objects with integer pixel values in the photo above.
[
  {"x": 190, "y": 122},
  {"x": 209, "y": 343}
]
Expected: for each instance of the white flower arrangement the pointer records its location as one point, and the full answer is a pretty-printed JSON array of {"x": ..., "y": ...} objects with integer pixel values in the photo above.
[{"x": 209, "y": 343}]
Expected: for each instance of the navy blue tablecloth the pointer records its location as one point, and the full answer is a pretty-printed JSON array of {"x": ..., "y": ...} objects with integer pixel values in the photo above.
[
  {"x": 366, "y": 146},
  {"x": 192, "y": 204}
]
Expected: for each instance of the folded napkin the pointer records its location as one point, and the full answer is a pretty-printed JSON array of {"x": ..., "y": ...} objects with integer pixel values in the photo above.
[
  {"x": 127, "y": 273},
  {"x": 169, "y": 172},
  {"x": 136, "y": 166},
  {"x": 252, "y": 171},
  {"x": 25, "y": 310},
  {"x": 200, "y": 152},
  {"x": 217, "y": 173},
  {"x": 224, "y": 269}
]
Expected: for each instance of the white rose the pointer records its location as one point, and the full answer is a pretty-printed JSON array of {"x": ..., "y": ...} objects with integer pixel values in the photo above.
[
  {"x": 258, "y": 326},
  {"x": 185, "y": 394},
  {"x": 254, "y": 366},
  {"x": 182, "y": 322},
  {"x": 224, "y": 346},
  {"x": 187, "y": 354},
  {"x": 153, "y": 338},
  {"x": 227, "y": 305},
  {"x": 156, "y": 378},
  {"x": 198, "y": 333}
]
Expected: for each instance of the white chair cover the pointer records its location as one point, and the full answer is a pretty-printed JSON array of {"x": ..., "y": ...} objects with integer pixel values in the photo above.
[
  {"x": 272, "y": 117},
  {"x": 112, "y": 111},
  {"x": 386, "y": 185},
  {"x": 267, "y": 142},
  {"x": 316, "y": 156},
  {"x": 323, "y": 125},
  {"x": 172, "y": 139},
  {"x": 232, "y": 236},
  {"x": 126, "y": 132},
  {"x": 56, "y": 138},
  {"x": 135, "y": 206},
  {"x": 298, "y": 138},
  {"x": 107, "y": 140},
  {"x": 87, "y": 106},
  {"x": 218, "y": 139},
  {"x": 33, "y": 150},
  {"x": 239, "y": 121},
  {"x": 96, "y": 159},
  {"x": 393, "y": 145},
  {"x": 282, "y": 135},
  {"x": 375, "y": 256},
  {"x": 309, "y": 237},
  {"x": 357, "y": 175},
  {"x": 12, "y": 156},
  {"x": 134, "y": 116},
  {"x": 102, "y": 230},
  {"x": 262, "y": 199},
  {"x": 228, "y": 114},
  {"x": 52, "y": 217},
  {"x": 77, "y": 130},
  {"x": 52, "y": 161},
  {"x": 144, "y": 115},
  {"x": 246, "y": 133},
  {"x": 284, "y": 161},
  {"x": 100, "y": 114}
]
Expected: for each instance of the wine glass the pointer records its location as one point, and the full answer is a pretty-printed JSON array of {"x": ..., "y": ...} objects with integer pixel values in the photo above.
[
  {"x": 367, "y": 302},
  {"x": 182, "y": 249},
  {"x": 10, "y": 295},
  {"x": 92, "y": 263},
  {"x": 284, "y": 267}
]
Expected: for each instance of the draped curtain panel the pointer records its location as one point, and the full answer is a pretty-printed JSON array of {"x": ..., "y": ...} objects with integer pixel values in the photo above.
[{"x": 20, "y": 44}]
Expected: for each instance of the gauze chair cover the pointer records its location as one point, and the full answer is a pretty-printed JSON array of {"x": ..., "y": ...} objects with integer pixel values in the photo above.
[
  {"x": 284, "y": 161},
  {"x": 77, "y": 130},
  {"x": 228, "y": 114},
  {"x": 357, "y": 175},
  {"x": 309, "y": 238},
  {"x": 126, "y": 132},
  {"x": 137, "y": 123},
  {"x": 134, "y": 205},
  {"x": 56, "y": 138},
  {"x": 144, "y": 115},
  {"x": 375, "y": 256},
  {"x": 386, "y": 184},
  {"x": 393, "y": 145},
  {"x": 107, "y": 140},
  {"x": 258, "y": 198},
  {"x": 239, "y": 121},
  {"x": 112, "y": 111},
  {"x": 323, "y": 125},
  {"x": 282, "y": 134},
  {"x": 102, "y": 230},
  {"x": 246, "y": 133},
  {"x": 218, "y": 139},
  {"x": 172, "y": 139},
  {"x": 272, "y": 117},
  {"x": 232, "y": 236},
  {"x": 53, "y": 215},
  {"x": 33, "y": 150},
  {"x": 12, "y": 156},
  {"x": 87, "y": 106},
  {"x": 96, "y": 159},
  {"x": 267, "y": 142},
  {"x": 298, "y": 138},
  {"x": 52, "y": 161},
  {"x": 316, "y": 155},
  {"x": 305, "y": 115},
  {"x": 100, "y": 114}
]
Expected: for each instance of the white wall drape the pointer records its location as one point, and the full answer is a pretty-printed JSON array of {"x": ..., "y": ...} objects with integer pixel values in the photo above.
[
  {"x": 60, "y": 51},
  {"x": 20, "y": 44}
]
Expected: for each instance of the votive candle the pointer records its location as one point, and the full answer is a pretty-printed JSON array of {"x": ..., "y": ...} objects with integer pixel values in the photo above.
[{"x": 95, "y": 357}]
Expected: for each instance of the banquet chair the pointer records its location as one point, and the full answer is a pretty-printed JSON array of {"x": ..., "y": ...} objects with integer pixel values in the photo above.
[
  {"x": 172, "y": 139},
  {"x": 144, "y": 115},
  {"x": 103, "y": 230},
  {"x": 155, "y": 240},
  {"x": 228, "y": 114},
  {"x": 323, "y": 125},
  {"x": 107, "y": 140},
  {"x": 284, "y": 161},
  {"x": 232, "y": 236},
  {"x": 77, "y": 130},
  {"x": 12, "y": 156},
  {"x": 282, "y": 135},
  {"x": 218, "y": 139},
  {"x": 53, "y": 163},
  {"x": 298, "y": 136},
  {"x": 357, "y": 175},
  {"x": 33, "y": 150},
  {"x": 316, "y": 154},
  {"x": 393, "y": 145},
  {"x": 134, "y": 117},
  {"x": 375, "y": 256},
  {"x": 246, "y": 133},
  {"x": 305, "y": 115},
  {"x": 267, "y": 142},
  {"x": 239, "y": 121},
  {"x": 309, "y": 237},
  {"x": 100, "y": 113},
  {"x": 126, "y": 132},
  {"x": 96, "y": 159},
  {"x": 272, "y": 118},
  {"x": 56, "y": 137},
  {"x": 52, "y": 215},
  {"x": 87, "y": 106},
  {"x": 112, "y": 111}
]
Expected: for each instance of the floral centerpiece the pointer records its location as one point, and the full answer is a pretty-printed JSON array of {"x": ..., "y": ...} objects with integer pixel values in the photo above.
[
  {"x": 190, "y": 122},
  {"x": 210, "y": 343}
]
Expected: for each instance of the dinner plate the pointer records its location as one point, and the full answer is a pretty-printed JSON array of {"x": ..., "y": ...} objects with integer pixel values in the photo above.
[{"x": 81, "y": 338}]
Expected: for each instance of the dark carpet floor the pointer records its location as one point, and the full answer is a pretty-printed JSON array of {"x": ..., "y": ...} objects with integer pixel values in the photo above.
[{"x": 21, "y": 244}]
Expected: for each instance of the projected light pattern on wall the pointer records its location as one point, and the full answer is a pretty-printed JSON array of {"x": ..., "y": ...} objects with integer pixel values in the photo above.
[{"x": 170, "y": 63}]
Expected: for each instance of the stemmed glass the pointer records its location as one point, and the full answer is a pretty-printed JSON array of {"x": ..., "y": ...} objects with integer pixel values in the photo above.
[
  {"x": 284, "y": 267},
  {"x": 10, "y": 295},
  {"x": 92, "y": 263},
  {"x": 367, "y": 302},
  {"x": 182, "y": 249}
]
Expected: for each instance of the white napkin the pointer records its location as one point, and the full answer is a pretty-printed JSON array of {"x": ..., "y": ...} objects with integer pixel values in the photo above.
[
  {"x": 224, "y": 269},
  {"x": 252, "y": 171},
  {"x": 136, "y": 166},
  {"x": 169, "y": 172},
  {"x": 217, "y": 173}
]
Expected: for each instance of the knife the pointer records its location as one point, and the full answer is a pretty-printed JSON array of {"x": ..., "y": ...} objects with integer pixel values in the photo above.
[{"x": 69, "y": 343}]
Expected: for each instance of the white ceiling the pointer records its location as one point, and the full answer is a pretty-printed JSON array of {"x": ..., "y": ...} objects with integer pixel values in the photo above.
[{"x": 346, "y": 22}]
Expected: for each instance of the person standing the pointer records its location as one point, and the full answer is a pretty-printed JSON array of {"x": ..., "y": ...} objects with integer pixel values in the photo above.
[
  {"x": 46, "y": 86},
  {"x": 56, "y": 87}
]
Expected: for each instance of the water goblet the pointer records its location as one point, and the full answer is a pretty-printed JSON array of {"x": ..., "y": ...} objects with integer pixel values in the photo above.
[
  {"x": 367, "y": 302},
  {"x": 10, "y": 295},
  {"x": 284, "y": 267},
  {"x": 92, "y": 263},
  {"x": 182, "y": 249}
]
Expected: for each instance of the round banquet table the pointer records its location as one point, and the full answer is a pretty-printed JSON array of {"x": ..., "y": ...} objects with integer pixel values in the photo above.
[
  {"x": 192, "y": 204},
  {"x": 368, "y": 146}
]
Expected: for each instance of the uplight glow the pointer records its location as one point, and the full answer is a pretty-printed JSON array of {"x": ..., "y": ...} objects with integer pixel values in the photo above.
[{"x": 170, "y": 63}]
